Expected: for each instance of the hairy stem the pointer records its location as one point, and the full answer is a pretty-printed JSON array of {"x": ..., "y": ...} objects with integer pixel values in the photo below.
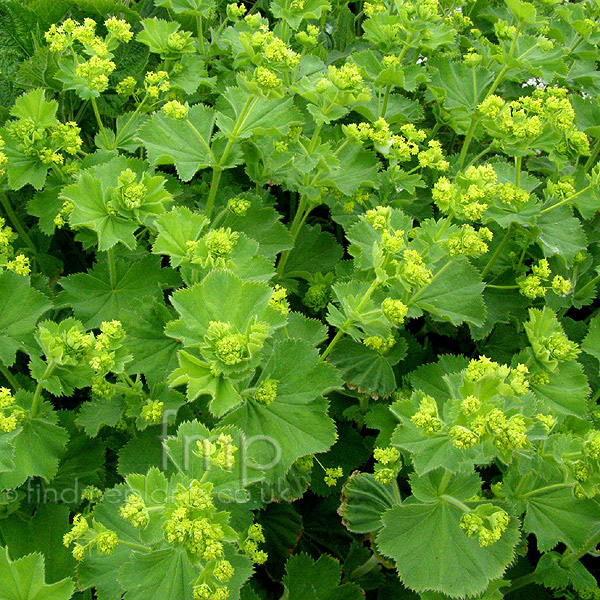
[{"x": 16, "y": 222}]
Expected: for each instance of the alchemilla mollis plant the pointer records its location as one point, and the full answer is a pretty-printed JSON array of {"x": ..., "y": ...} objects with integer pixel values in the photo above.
[{"x": 299, "y": 299}]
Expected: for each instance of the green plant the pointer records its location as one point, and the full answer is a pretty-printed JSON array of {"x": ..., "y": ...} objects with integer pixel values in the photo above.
[{"x": 299, "y": 299}]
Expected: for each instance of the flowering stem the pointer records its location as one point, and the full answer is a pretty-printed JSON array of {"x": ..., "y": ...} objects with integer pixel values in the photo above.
[
  {"x": 99, "y": 121},
  {"x": 16, "y": 222},
  {"x": 299, "y": 220},
  {"x": 467, "y": 142},
  {"x": 571, "y": 556},
  {"x": 248, "y": 107},
  {"x": 543, "y": 490},
  {"x": 342, "y": 329},
  {"x": 214, "y": 187},
  {"x": 518, "y": 160},
  {"x": 200, "y": 33},
  {"x": 588, "y": 285},
  {"x": 565, "y": 200},
  {"x": 417, "y": 294},
  {"x": 37, "y": 397},
  {"x": 126, "y": 126},
  {"x": 520, "y": 582},
  {"x": 593, "y": 156},
  {"x": 452, "y": 500},
  {"x": 498, "y": 251},
  {"x": 9, "y": 377}
]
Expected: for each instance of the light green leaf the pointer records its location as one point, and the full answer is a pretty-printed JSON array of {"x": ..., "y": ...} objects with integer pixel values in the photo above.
[
  {"x": 20, "y": 308},
  {"x": 184, "y": 144},
  {"x": 24, "y": 579},
  {"x": 264, "y": 115},
  {"x": 454, "y": 294},
  {"x": 39, "y": 444},
  {"x": 154, "y": 354},
  {"x": 95, "y": 298},
  {"x": 367, "y": 369},
  {"x": 296, "y": 422},
  {"x": 432, "y": 552},
  {"x": 591, "y": 342},
  {"x": 561, "y": 233}
]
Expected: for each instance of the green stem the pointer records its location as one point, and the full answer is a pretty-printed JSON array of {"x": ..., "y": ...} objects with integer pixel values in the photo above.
[
  {"x": 518, "y": 160},
  {"x": 299, "y": 219},
  {"x": 200, "y": 33},
  {"x": 520, "y": 582},
  {"x": 9, "y": 377},
  {"x": 498, "y": 251},
  {"x": 133, "y": 545},
  {"x": 126, "y": 126},
  {"x": 467, "y": 141},
  {"x": 112, "y": 268},
  {"x": 452, "y": 500},
  {"x": 16, "y": 222},
  {"x": 349, "y": 321},
  {"x": 543, "y": 490},
  {"x": 502, "y": 287},
  {"x": 571, "y": 197},
  {"x": 572, "y": 557},
  {"x": 99, "y": 121},
  {"x": 386, "y": 98},
  {"x": 593, "y": 156},
  {"x": 588, "y": 285},
  {"x": 214, "y": 187},
  {"x": 37, "y": 397}
]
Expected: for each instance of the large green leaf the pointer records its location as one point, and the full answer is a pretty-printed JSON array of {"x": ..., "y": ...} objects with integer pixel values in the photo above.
[
  {"x": 23, "y": 579},
  {"x": 365, "y": 500},
  {"x": 431, "y": 551},
  {"x": 296, "y": 422},
  {"x": 20, "y": 308},
  {"x": 454, "y": 294},
  {"x": 306, "y": 579},
  {"x": 39, "y": 444},
  {"x": 184, "y": 144},
  {"x": 100, "y": 295}
]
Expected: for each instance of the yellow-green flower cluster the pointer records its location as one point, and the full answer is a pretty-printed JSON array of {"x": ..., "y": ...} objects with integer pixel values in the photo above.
[
  {"x": 487, "y": 523},
  {"x": 175, "y": 110},
  {"x": 521, "y": 121},
  {"x": 279, "y": 300},
  {"x": 95, "y": 72},
  {"x": 413, "y": 269},
  {"x": 266, "y": 393},
  {"x": 221, "y": 453},
  {"x": 152, "y": 411},
  {"x": 427, "y": 417},
  {"x": 317, "y": 296},
  {"x": 469, "y": 241},
  {"x": 155, "y": 83},
  {"x": 238, "y": 206},
  {"x": 394, "y": 311},
  {"x": 433, "y": 157},
  {"x": 470, "y": 194},
  {"x": 10, "y": 413},
  {"x": 332, "y": 474},
  {"x": 250, "y": 546},
  {"x": 83, "y": 538},
  {"x": 535, "y": 285},
  {"x": 45, "y": 143},
  {"x": 228, "y": 349},
  {"x": 388, "y": 464},
  {"x": 380, "y": 344},
  {"x": 194, "y": 527},
  {"x": 134, "y": 511},
  {"x": 220, "y": 242},
  {"x": 308, "y": 38}
]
